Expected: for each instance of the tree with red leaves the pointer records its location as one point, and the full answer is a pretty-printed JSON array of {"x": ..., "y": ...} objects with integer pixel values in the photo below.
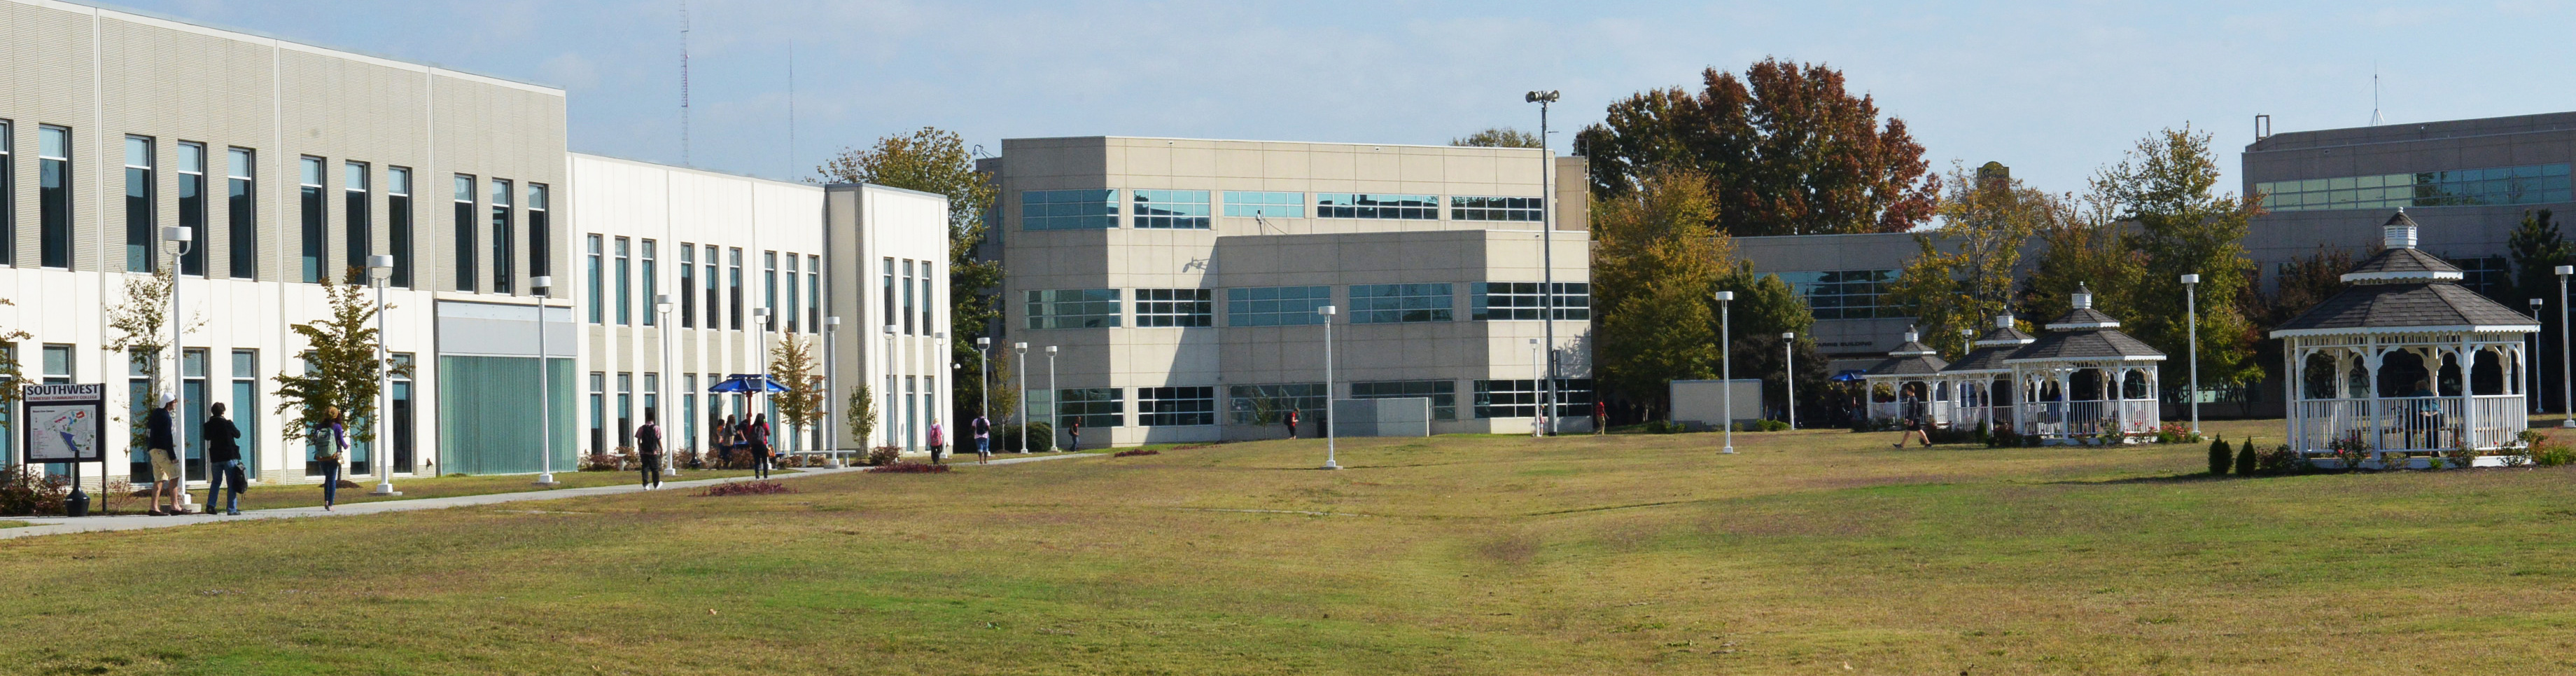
[{"x": 1786, "y": 151}]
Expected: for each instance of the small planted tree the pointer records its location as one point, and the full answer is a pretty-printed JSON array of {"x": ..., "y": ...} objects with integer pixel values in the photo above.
[
  {"x": 862, "y": 413},
  {"x": 2245, "y": 458},
  {"x": 2220, "y": 456},
  {"x": 140, "y": 330},
  {"x": 794, "y": 363},
  {"x": 340, "y": 367}
]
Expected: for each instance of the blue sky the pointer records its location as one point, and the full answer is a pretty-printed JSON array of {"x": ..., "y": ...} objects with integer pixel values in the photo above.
[{"x": 2054, "y": 89}]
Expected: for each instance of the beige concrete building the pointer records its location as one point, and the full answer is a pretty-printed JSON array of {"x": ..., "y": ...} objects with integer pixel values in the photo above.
[{"x": 1178, "y": 281}]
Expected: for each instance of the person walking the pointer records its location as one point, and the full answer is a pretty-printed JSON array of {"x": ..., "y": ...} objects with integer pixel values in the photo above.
[
  {"x": 758, "y": 432},
  {"x": 1913, "y": 431},
  {"x": 983, "y": 430},
  {"x": 648, "y": 444},
  {"x": 1076, "y": 431},
  {"x": 161, "y": 438},
  {"x": 938, "y": 441},
  {"x": 1292, "y": 423},
  {"x": 223, "y": 447},
  {"x": 330, "y": 442},
  {"x": 724, "y": 442},
  {"x": 1600, "y": 417}
]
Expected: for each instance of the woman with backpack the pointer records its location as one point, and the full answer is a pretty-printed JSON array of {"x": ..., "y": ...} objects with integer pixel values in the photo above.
[
  {"x": 330, "y": 443},
  {"x": 758, "y": 434}
]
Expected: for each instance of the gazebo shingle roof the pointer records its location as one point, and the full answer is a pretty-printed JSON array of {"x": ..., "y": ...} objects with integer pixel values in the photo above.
[
  {"x": 2423, "y": 304},
  {"x": 1990, "y": 358},
  {"x": 2404, "y": 260},
  {"x": 1921, "y": 361},
  {"x": 2085, "y": 344}
]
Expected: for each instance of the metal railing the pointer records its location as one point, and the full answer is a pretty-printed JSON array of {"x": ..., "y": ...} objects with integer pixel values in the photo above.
[{"x": 2410, "y": 423}]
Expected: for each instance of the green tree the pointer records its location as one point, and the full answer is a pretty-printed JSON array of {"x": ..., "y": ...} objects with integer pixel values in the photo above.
[
  {"x": 340, "y": 367},
  {"x": 1654, "y": 262},
  {"x": 862, "y": 414},
  {"x": 1785, "y": 149},
  {"x": 1765, "y": 307},
  {"x": 2302, "y": 283},
  {"x": 937, "y": 161},
  {"x": 141, "y": 334},
  {"x": 1963, "y": 277},
  {"x": 1500, "y": 137},
  {"x": 2167, "y": 186},
  {"x": 13, "y": 376},
  {"x": 2088, "y": 248},
  {"x": 2537, "y": 249},
  {"x": 797, "y": 364}
]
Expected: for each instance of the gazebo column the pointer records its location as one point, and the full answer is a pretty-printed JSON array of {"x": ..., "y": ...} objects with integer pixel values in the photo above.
[
  {"x": 2370, "y": 365},
  {"x": 2468, "y": 397},
  {"x": 2065, "y": 401},
  {"x": 2115, "y": 393}
]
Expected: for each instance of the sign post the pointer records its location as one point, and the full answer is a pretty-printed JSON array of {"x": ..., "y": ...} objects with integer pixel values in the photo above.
[{"x": 65, "y": 427}]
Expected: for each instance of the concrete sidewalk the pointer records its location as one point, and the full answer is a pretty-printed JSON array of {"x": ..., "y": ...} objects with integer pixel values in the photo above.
[{"x": 54, "y": 525}]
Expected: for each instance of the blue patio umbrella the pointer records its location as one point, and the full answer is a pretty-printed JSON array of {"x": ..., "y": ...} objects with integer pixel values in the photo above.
[
  {"x": 1848, "y": 376},
  {"x": 747, "y": 382}
]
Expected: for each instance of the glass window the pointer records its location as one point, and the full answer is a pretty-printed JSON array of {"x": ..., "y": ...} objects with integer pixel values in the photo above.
[
  {"x": 1364, "y": 205},
  {"x": 503, "y": 253},
  {"x": 58, "y": 364},
  {"x": 245, "y": 406},
  {"x": 1520, "y": 300},
  {"x": 814, "y": 295},
  {"x": 907, "y": 298},
  {"x": 1845, "y": 294},
  {"x": 54, "y": 196},
  {"x": 688, "y": 285},
  {"x": 1442, "y": 393},
  {"x": 1068, "y": 209},
  {"x": 359, "y": 226},
  {"x": 1174, "y": 406},
  {"x": 8, "y": 214},
  {"x": 1523, "y": 209},
  {"x": 887, "y": 294},
  {"x": 541, "y": 251},
  {"x": 1519, "y": 398},
  {"x": 1171, "y": 209},
  {"x": 712, "y": 286},
  {"x": 1094, "y": 407},
  {"x": 1073, "y": 309},
  {"x": 652, "y": 290},
  {"x": 398, "y": 223},
  {"x": 309, "y": 193},
  {"x": 1175, "y": 307},
  {"x": 598, "y": 283},
  {"x": 793, "y": 295},
  {"x": 191, "y": 172},
  {"x": 142, "y": 223},
  {"x": 1276, "y": 305},
  {"x": 1401, "y": 303},
  {"x": 769, "y": 288},
  {"x": 1265, "y": 204},
  {"x": 625, "y": 290},
  {"x": 733, "y": 264},
  {"x": 466, "y": 276},
  {"x": 2493, "y": 186},
  {"x": 1270, "y": 404}
]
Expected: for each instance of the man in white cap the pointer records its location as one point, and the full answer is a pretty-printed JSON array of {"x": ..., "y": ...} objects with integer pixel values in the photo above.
[{"x": 161, "y": 438}]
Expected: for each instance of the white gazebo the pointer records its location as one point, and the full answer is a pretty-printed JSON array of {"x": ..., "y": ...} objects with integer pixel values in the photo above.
[
  {"x": 1981, "y": 384},
  {"x": 2406, "y": 363},
  {"x": 2084, "y": 381},
  {"x": 1911, "y": 376}
]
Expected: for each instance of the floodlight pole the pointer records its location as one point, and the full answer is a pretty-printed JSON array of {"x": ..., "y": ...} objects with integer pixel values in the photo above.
[
  {"x": 831, "y": 387},
  {"x": 2191, "y": 313},
  {"x": 2533, "y": 374},
  {"x": 662, "y": 385},
  {"x": 984, "y": 377},
  {"x": 2567, "y": 387},
  {"x": 1054, "y": 429},
  {"x": 543, "y": 285},
  {"x": 1536, "y": 369},
  {"x": 379, "y": 268},
  {"x": 186, "y": 239},
  {"x": 1329, "y": 438},
  {"x": 885, "y": 418},
  {"x": 1547, "y": 261},
  {"x": 1726, "y": 366},
  {"x": 1020, "y": 355},
  {"x": 1789, "y": 356}
]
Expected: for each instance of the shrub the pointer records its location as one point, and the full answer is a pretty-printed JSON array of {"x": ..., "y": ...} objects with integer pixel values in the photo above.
[
  {"x": 603, "y": 462},
  {"x": 910, "y": 468},
  {"x": 26, "y": 490},
  {"x": 2175, "y": 433},
  {"x": 1767, "y": 425},
  {"x": 2245, "y": 458},
  {"x": 2003, "y": 437},
  {"x": 1006, "y": 438},
  {"x": 745, "y": 488},
  {"x": 1140, "y": 451},
  {"x": 2351, "y": 451},
  {"x": 2281, "y": 460},
  {"x": 2462, "y": 457},
  {"x": 884, "y": 455},
  {"x": 2220, "y": 457},
  {"x": 2553, "y": 455}
]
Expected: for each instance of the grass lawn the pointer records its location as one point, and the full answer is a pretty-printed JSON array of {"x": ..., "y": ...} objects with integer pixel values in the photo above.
[{"x": 1808, "y": 552}]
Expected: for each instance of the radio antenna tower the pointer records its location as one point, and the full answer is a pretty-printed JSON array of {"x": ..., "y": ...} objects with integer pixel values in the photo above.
[
  {"x": 791, "y": 108},
  {"x": 2375, "y": 119},
  {"x": 684, "y": 83}
]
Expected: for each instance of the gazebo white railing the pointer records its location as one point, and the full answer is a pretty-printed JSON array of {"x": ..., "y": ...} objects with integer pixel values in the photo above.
[{"x": 2084, "y": 381}]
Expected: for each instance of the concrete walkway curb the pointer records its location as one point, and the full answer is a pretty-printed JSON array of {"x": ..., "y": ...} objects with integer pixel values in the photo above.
[{"x": 57, "y": 525}]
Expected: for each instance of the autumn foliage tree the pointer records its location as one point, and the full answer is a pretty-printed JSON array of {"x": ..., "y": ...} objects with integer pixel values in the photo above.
[
  {"x": 1500, "y": 137},
  {"x": 797, "y": 363},
  {"x": 1963, "y": 276},
  {"x": 937, "y": 161},
  {"x": 1785, "y": 150},
  {"x": 1654, "y": 262}
]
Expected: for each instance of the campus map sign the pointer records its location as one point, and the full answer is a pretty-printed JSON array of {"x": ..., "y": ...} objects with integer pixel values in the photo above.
[{"x": 64, "y": 422}]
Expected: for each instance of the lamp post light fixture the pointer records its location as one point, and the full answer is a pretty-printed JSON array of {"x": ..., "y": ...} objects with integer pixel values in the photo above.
[
  {"x": 1546, "y": 256},
  {"x": 2567, "y": 388},
  {"x": 543, "y": 285},
  {"x": 1054, "y": 429},
  {"x": 186, "y": 239},
  {"x": 379, "y": 269},
  {"x": 2533, "y": 374},
  {"x": 1020, "y": 356},
  {"x": 662, "y": 385},
  {"x": 1329, "y": 438},
  {"x": 2191, "y": 318},
  {"x": 1726, "y": 366},
  {"x": 983, "y": 378},
  {"x": 1789, "y": 356}
]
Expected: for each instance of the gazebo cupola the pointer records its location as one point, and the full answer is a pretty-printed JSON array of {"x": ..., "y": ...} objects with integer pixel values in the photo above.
[
  {"x": 1908, "y": 384},
  {"x": 2084, "y": 381},
  {"x": 1981, "y": 383},
  {"x": 2406, "y": 363}
]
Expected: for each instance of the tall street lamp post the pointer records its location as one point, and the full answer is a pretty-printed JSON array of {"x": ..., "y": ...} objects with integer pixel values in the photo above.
[
  {"x": 1726, "y": 365},
  {"x": 760, "y": 365},
  {"x": 831, "y": 386},
  {"x": 543, "y": 285},
  {"x": 1789, "y": 356},
  {"x": 2567, "y": 388},
  {"x": 983, "y": 378},
  {"x": 1020, "y": 356},
  {"x": 379, "y": 269},
  {"x": 662, "y": 385},
  {"x": 887, "y": 416},
  {"x": 1546, "y": 257},
  {"x": 2191, "y": 314},
  {"x": 1054, "y": 429},
  {"x": 1537, "y": 413},
  {"x": 185, "y": 238},
  {"x": 2533, "y": 374},
  {"x": 1329, "y": 438}
]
